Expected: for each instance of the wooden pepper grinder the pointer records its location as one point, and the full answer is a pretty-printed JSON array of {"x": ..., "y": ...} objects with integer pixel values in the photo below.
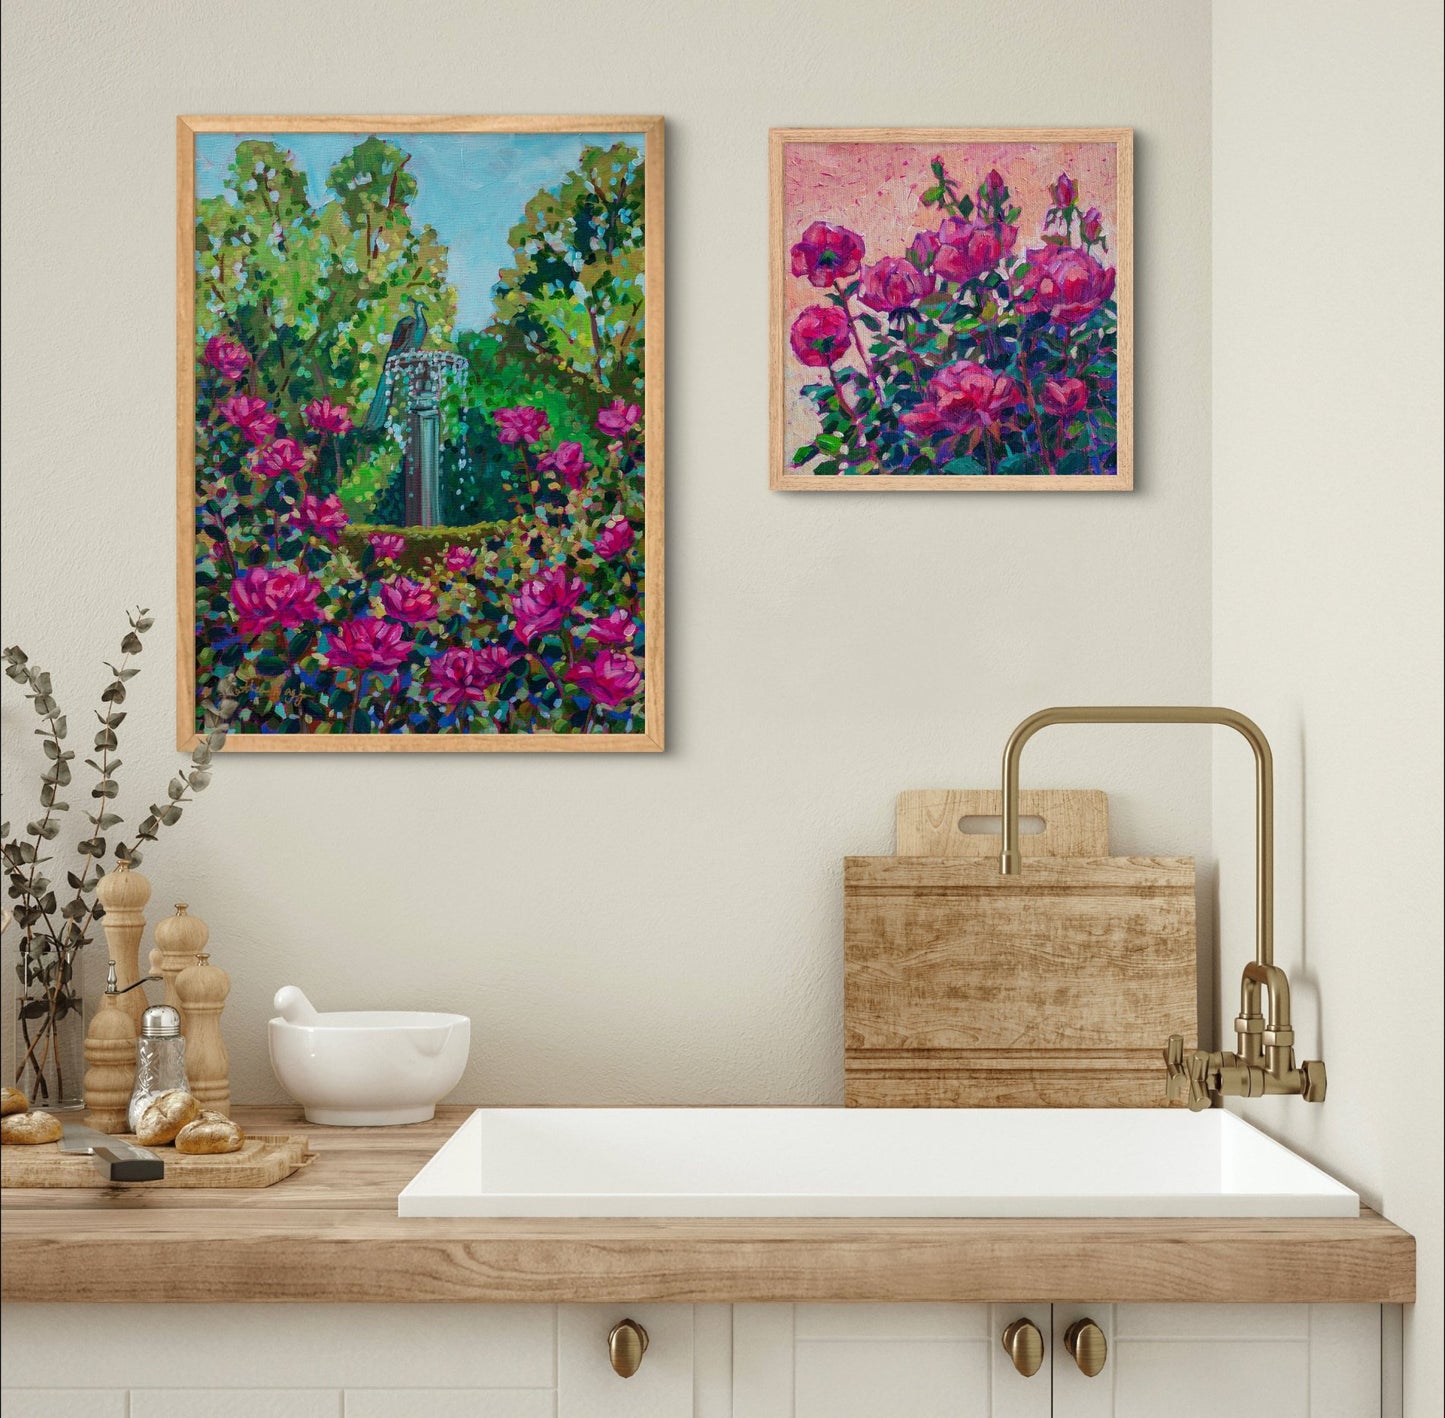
[
  {"x": 180, "y": 939},
  {"x": 202, "y": 991},
  {"x": 123, "y": 893},
  {"x": 109, "y": 1060}
]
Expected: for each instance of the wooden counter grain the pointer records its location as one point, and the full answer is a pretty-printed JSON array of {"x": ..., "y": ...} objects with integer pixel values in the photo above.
[{"x": 331, "y": 1233}]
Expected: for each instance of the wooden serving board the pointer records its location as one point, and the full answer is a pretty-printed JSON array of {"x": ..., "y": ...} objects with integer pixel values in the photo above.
[
  {"x": 1054, "y": 988},
  {"x": 261, "y": 1162}
]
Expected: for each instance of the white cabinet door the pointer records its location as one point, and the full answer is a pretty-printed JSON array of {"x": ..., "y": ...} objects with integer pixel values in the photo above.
[
  {"x": 1198, "y": 1361},
  {"x": 661, "y": 1388},
  {"x": 883, "y": 1361}
]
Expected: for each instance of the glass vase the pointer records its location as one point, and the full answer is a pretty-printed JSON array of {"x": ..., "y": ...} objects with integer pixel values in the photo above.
[{"x": 50, "y": 1034}]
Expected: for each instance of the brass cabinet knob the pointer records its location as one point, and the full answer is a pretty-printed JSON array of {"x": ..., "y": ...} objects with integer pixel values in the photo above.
[
  {"x": 1025, "y": 1346},
  {"x": 1087, "y": 1346},
  {"x": 626, "y": 1345}
]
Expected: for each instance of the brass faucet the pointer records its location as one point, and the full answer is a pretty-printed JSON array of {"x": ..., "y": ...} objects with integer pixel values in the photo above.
[{"x": 1264, "y": 1060}]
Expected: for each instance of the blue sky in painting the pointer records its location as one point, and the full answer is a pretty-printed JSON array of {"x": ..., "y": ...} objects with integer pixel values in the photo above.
[{"x": 470, "y": 186}]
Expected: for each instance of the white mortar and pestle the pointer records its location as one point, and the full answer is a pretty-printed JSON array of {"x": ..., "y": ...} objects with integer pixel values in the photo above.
[{"x": 366, "y": 1068}]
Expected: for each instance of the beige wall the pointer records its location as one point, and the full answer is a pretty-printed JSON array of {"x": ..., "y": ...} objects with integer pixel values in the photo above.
[
  {"x": 1327, "y": 517},
  {"x": 619, "y": 928}
]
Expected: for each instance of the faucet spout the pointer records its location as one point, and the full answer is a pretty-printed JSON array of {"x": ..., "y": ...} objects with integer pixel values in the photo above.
[{"x": 1265, "y": 1061}]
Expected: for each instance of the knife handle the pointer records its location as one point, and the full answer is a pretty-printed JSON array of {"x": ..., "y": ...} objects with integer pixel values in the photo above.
[{"x": 122, "y": 1163}]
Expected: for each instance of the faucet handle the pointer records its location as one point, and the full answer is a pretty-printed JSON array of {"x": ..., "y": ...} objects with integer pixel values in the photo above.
[
  {"x": 1187, "y": 1080},
  {"x": 1199, "y": 1071},
  {"x": 1176, "y": 1076},
  {"x": 1174, "y": 1055}
]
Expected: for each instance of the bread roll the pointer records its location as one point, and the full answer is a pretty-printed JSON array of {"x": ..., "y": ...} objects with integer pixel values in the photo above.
[
  {"x": 30, "y": 1128},
  {"x": 210, "y": 1133},
  {"x": 164, "y": 1116},
  {"x": 12, "y": 1100}
]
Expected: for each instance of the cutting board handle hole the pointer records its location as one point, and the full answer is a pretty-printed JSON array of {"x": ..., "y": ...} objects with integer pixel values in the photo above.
[{"x": 983, "y": 825}]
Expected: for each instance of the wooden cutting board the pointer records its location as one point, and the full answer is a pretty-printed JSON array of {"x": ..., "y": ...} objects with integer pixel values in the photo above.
[
  {"x": 262, "y": 1161},
  {"x": 1055, "y": 988}
]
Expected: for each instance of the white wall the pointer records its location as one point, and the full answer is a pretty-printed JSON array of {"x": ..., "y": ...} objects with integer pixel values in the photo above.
[
  {"x": 620, "y": 928},
  {"x": 1327, "y": 522}
]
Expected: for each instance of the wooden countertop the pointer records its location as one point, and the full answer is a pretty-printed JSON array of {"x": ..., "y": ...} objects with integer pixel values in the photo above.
[{"x": 331, "y": 1233}]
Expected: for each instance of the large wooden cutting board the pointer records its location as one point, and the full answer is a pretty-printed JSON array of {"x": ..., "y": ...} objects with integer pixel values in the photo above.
[
  {"x": 262, "y": 1161},
  {"x": 1054, "y": 988}
]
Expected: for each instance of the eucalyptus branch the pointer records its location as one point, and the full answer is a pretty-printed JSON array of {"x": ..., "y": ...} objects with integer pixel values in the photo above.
[{"x": 50, "y": 938}]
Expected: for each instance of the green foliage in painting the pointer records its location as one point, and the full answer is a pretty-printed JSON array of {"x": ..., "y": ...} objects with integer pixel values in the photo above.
[{"x": 570, "y": 311}]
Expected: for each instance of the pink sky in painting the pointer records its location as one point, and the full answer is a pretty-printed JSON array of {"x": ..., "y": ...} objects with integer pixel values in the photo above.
[{"x": 874, "y": 189}]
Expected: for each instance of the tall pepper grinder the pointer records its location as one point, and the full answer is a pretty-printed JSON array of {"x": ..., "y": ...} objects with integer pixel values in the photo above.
[
  {"x": 123, "y": 894},
  {"x": 109, "y": 1059},
  {"x": 180, "y": 939},
  {"x": 202, "y": 991}
]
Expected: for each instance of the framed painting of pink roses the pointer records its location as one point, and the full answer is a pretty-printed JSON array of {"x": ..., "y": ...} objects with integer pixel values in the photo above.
[
  {"x": 420, "y": 379},
  {"x": 952, "y": 309}
]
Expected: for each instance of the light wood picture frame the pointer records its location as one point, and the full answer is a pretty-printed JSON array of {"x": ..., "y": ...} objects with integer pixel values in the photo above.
[
  {"x": 951, "y": 309},
  {"x": 420, "y": 493}
]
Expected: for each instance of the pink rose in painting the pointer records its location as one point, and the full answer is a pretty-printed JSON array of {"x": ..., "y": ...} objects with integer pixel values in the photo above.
[
  {"x": 524, "y": 425},
  {"x": 614, "y": 539},
  {"x": 322, "y": 517},
  {"x": 227, "y": 357},
  {"x": 1091, "y": 225},
  {"x": 895, "y": 282},
  {"x": 459, "y": 560},
  {"x": 283, "y": 457},
  {"x": 923, "y": 248},
  {"x": 615, "y": 628},
  {"x": 994, "y": 185},
  {"x": 273, "y": 596},
  {"x": 1065, "y": 284},
  {"x": 366, "y": 644},
  {"x": 610, "y": 679},
  {"x": 326, "y": 417},
  {"x": 619, "y": 418},
  {"x": 827, "y": 254},
  {"x": 408, "y": 600},
  {"x": 1063, "y": 397},
  {"x": 1064, "y": 191},
  {"x": 923, "y": 420},
  {"x": 541, "y": 605},
  {"x": 568, "y": 461},
  {"x": 250, "y": 416},
  {"x": 463, "y": 676},
  {"x": 819, "y": 336},
  {"x": 964, "y": 396},
  {"x": 966, "y": 249},
  {"x": 388, "y": 546}
]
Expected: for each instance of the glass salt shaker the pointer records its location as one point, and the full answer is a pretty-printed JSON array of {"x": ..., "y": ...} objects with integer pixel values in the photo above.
[{"x": 160, "y": 1059}]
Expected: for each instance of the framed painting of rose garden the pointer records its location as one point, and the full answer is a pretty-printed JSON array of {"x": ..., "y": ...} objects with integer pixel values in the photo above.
[
  {"x": 952, "y": 309},
  {"x": 420, "y": 370}
]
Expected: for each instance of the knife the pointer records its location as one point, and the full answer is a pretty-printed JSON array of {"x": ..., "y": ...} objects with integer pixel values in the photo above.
[{"x": 115, "y": 1160}]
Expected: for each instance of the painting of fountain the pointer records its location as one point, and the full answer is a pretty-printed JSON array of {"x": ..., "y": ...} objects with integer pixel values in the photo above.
[{"x": 424, "y": 372}]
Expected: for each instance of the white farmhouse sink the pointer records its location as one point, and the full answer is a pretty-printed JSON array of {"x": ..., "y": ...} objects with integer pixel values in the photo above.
[{"x": 867, "y": 1162}]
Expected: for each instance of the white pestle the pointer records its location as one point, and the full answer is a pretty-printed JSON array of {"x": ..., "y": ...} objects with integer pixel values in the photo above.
[{"x": 293, "y": 1006}]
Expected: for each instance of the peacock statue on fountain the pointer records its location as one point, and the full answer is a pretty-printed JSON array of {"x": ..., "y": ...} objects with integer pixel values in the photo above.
[{"x": 408, "y": 336}]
